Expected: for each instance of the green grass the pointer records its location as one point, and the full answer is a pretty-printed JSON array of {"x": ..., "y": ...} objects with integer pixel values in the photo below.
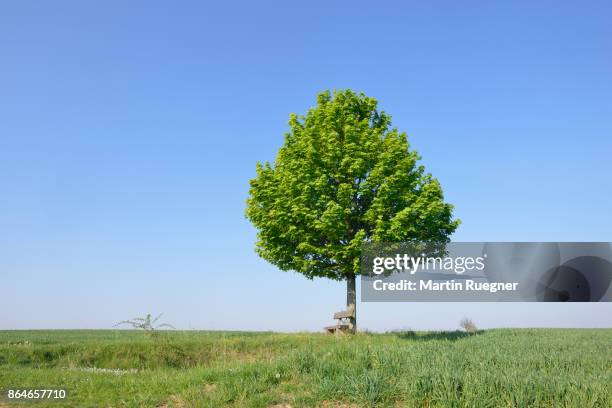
[{"x": 495, "y": 368}]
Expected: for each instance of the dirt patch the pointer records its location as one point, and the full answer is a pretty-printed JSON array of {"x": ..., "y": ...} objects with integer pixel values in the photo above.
[
  {"x": 338, "y": 404},
  {"x": 176, "y": 402},
  {"x": 210, "y": 389}
]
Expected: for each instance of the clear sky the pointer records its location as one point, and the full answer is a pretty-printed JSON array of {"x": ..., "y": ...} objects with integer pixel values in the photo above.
[{"x": 128, "y": 134}]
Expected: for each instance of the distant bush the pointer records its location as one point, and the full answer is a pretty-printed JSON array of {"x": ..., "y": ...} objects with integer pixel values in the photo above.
[
  {"x": 468, "y": 325},
  {"x": 145, "y": 323}
]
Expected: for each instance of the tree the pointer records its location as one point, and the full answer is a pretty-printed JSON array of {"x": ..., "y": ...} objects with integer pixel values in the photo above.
[{"x": 343, "y": 177}]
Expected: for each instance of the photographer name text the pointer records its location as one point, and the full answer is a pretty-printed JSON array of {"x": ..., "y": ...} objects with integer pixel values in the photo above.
[{"x": 449, "y": 285}]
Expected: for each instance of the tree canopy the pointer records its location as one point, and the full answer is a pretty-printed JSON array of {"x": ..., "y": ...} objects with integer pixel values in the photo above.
[{"x": 344, "y": 176}]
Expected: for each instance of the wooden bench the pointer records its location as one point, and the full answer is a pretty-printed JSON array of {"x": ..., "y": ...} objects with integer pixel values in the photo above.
[{"x": 345, "y": 322}]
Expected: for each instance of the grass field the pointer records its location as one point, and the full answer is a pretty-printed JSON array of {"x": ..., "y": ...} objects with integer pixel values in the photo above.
[{"x": 507, "y": 368}]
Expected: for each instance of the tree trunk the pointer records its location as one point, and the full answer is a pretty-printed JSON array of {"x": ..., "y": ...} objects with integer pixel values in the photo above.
[{"x": 351, "y": 301}]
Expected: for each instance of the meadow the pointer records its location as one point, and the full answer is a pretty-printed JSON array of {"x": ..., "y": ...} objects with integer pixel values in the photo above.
[{"x": 492, "y": 368}]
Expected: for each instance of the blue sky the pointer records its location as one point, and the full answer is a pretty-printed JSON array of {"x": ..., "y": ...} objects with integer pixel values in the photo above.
[{"x": 129, "y": 132}]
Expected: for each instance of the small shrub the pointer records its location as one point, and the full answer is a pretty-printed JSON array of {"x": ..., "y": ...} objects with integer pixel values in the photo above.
[
  {"x": 145, "y": 323},
  {"x": 468, "y": 325}
]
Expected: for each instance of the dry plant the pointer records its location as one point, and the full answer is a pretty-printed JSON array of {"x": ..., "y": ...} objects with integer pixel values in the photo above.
[
  {"x": 145, "y": 323},
  {"x": 468, "y": 325}
]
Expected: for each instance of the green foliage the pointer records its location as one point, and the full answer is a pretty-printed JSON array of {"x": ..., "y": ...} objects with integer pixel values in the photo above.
[
  {"x": 343, "y": 177},
  {"x": 492, "y": 368}
]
